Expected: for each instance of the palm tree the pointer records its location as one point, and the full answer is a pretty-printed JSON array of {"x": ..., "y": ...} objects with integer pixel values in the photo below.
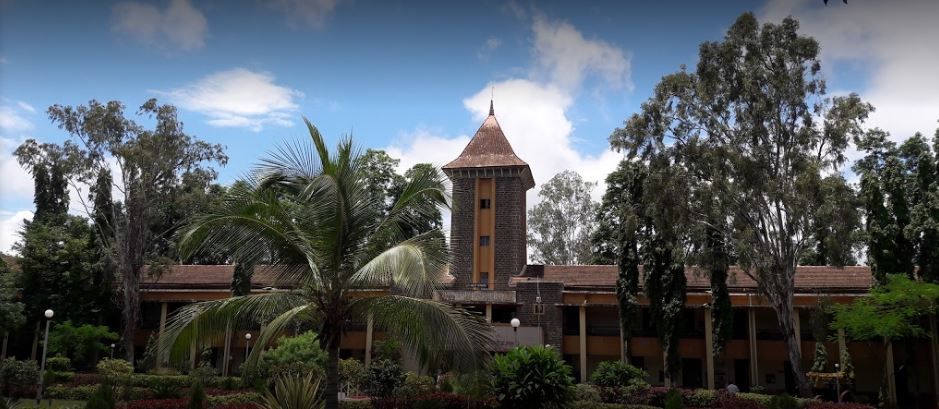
[{"x": 307, "y": 211}]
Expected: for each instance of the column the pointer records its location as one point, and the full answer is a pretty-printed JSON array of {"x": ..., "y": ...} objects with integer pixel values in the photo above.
[
  {"x": 226, "y": 351},
  {"x": 934, "y": 344},
  {"x": 891, "y": 378},
  {"x": 163, "y": 310},
  {"x": 368, "y": 339},
  {"x": 754, "y": 356},
  {"x": 489, "y": 313},
  {"x": 3, "y": 350},
  {"x": 709, "y": 347},
  {"x": 583, "y": 343},
  {"x": 798, "y": 329}
]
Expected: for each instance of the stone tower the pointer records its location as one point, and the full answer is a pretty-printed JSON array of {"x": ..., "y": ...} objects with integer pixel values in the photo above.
[{"x": 488, "y": 230}]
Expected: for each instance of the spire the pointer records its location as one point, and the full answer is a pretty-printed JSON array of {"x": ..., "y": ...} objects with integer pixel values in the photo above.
[{"x": 492, "y": 110}]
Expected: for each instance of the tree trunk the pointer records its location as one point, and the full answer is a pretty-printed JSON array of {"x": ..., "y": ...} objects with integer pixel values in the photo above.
[
  {"x": 130, "y": 278},
  {"x": 784, "y": 314},
  {"x": 332, "y": 376}
]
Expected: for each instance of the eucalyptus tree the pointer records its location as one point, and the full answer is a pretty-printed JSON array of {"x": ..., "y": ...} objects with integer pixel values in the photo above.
[
  {"x": 559, "y": 227},
  {"x": 753, "y": 124},
  {"x": 328, "y": 238}
]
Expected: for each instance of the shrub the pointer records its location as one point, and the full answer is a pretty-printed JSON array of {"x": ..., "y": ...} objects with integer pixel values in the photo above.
[
  {"x": 760, "y": 398},
  {"x": 294, "y": 392},
  {"x": 17, "y": 375},
  {"x": 85, "y": 392},
  {"x": 473, "y": 384},
  {"x": 382, "y": 377},
  {"x": 415, "y": 385},
  {"x": 197, "y": 398},
  {"x": 701, "y": 398},
  {"x": 733, "y": 401},
  {"x": 164, "y": 387},
  {"x": 81, "y": 343},
  {"x": 351, "y": 374},
  {"x": 59, "y": 364},
  {"x": 673, "y": 399},
  {"x": 355, "y": 404},
  {"x": 156, "y": 404},
  {"x": 444, "y": 400},
  {"x": 202, "y": 374},
  {"x": 783, "y": 401},
  {"x": 388, "y": 349},
  {"x": 215, "y": 401},
  {"x": 533, "y": 376},
  {"x": 586, "y": 392},
  {"x": 54, "y": 377},
  {"x": 116, "y": 370},
  {"x": 834, "y": 405},
  {"x": 297, "y": 355},
  {"x": 102, "y": 398},
  {"x": 617, "y": 373},
  {"x": 245, "y": 405}
]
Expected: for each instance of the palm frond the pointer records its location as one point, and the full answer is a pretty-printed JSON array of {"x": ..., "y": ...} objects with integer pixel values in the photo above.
[
  {"x": 207, "y": 321},
  {"x": 415, "y": 266},
  {"x": 441, "y": 335}
]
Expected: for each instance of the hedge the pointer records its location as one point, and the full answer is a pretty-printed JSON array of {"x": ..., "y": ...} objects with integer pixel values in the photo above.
[{"x": 84, "y": 392}]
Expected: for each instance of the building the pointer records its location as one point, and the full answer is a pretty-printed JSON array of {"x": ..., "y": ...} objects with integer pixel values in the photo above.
[{"x": 574, "y": 307}]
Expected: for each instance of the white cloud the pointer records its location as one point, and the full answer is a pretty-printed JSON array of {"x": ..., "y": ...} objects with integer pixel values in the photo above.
[
  {"x": 491, "y": 44},
  {"x": 17, "y": 184},
  {"x": 4, "y": 60},
  {"x": 26, "y": 106},
  {"x": 565, "y": 56},
  {"x": 238, "y": 98},
  {"x": 179, "y": 26},
  {"x": 896, "y": 42},
  {"x": 309, "y": 13},
  {"x": 10, "y": 225},
  {"x": 533, "y": 113},
  {"x": 12, "y": 121}
]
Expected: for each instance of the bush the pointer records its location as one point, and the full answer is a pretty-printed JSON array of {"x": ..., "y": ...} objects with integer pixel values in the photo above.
[
  {"x": 294, "y": 392},
  {"x": 733, "y": 401},
  {"x": 202, "y": 374},
  {"x": 701, "y": 398},
  {"x": 473, "y": 384},
  {"x": 834, "y": 405},
  {"x": 633, "y": 394},
  {"x": 297, "y": 355},
  {"x": 444, "y": 400},
  {"x": 197, "y": 396},
  {"x": 81, "y": 343},
  {"x": 533, "y": 376},
  {"x": 215, "y": 401},
  {"x": 54, "y": 377},
  {"x": 586, "y": 392},
  {"x": 783, "y": 401},
  {"x": 355, "y": 404},
  {"x": 673, "y": 399},
  {"x": 59, "y": 364},
  {"x": 617, "y": 373},
  {"x": 382, "y": 377},
  {"x": 102, "y": 398},
  {"x": 85, "y": 392},
  {"x": 245, "y": 405},
  {"x": 16, "y": 375},
  {"x": 156, "y": 404},
  {"x": 415, "y": 385},
  {"x": 600, "y": 405},
  {"x": 351, "y": 374},
  {"x": 116, "y": 370}
]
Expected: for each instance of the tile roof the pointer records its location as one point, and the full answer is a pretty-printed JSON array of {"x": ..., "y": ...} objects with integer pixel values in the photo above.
[
  {"x": 808, "y": 278},
  {"x": 488, "y": 148},
  {"x": 206, "y": 277}
]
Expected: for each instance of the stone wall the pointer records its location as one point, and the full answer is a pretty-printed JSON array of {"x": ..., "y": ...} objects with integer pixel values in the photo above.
[
  {"x": 510, "y": 238},
  {"x": 550, "y": 322},
  {"x": 462, "y": 231}
]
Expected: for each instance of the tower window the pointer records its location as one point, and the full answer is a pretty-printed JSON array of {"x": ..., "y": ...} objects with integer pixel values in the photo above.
[
  {"x": 484, "y": 277},
  {"x": 485, "y": 203},
  {"x": 483, "y": 240}
]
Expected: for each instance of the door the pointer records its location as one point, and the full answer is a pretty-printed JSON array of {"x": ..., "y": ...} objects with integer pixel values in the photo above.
[
  {"x": 742, "y": 374},
  {"x": 691, "y": 373}
]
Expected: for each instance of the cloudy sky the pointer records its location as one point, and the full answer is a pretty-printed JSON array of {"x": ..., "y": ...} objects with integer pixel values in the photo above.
[{"x": 415, "y": 78}]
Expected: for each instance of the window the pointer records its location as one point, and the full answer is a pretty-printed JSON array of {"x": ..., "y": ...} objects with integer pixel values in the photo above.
[
  {"x": 483, "y": 240},
  {"x": 484, "y": 278},
  {"x": 484, "y": 203}
]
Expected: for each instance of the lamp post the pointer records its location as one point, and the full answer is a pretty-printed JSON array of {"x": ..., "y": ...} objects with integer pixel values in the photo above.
[
  {"x": 837, "y": 383},
  {"x": 247, "y": 345},
  {"x": 515, "y": 324},
  {"x": 112, "y": 350},
  {"x": 45, "y": 347}
]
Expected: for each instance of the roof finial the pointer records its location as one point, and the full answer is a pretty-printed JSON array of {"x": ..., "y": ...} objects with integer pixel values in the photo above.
[{"x": 492, "y": 110}]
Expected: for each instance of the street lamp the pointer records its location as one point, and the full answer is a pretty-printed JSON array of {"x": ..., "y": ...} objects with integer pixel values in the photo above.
[
  {"x": 247, "y": 345},
  {"x": 45, "y": 347},
  {"x": 515, "y": 324},
  {"x": 112, "y": 350},
  {"x": 837, "y": 383}
]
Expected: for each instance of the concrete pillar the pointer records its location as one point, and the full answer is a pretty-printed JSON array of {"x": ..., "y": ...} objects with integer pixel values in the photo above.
[
  {"x": 163, "y": 310},
  {"x": 489, "y": 313},
  {"x": 754, "y": 356},
  {"x": 226, "y": 351},
  {"x": 583, "y": 343},
  {"x": 709, "y": 347},
  {"x": 934, "y": 353},
  {"x": 891, "y": 376},
  {"x": 798, "y": 329},
  {"x": 3, "y": 350},
  {"x": 369, "y": 328}
]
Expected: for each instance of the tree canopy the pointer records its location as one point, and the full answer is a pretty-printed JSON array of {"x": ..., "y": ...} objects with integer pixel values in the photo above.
[{"x": 559, "y": 227}]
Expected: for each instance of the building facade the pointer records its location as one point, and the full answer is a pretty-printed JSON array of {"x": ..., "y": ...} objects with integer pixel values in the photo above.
[{"x": 574, "y": 308}]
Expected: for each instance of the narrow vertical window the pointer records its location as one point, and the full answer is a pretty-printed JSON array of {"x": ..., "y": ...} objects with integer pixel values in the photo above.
[
  {"x": 483, "y": 240},
  {"x": 484, "y": 203}
]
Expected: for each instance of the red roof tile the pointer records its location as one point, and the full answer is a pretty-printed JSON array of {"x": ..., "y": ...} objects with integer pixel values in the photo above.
[
  {"x": 488, "y": 148},
  {"x": 206, "y": 277},
  {"x": 808, "y": 278}
]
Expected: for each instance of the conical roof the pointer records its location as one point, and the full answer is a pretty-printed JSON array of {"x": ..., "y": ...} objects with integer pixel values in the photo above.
[{"x": 488, "y": 148}]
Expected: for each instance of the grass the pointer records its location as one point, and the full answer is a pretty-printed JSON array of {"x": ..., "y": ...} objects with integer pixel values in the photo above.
[{"x": 50, "y": 403}]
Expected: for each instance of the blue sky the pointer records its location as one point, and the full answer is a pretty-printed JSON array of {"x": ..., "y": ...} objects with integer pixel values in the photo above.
[{"x": 415, "y": 78}]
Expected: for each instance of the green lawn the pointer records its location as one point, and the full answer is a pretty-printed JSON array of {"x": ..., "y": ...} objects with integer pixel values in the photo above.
[{"x": 46, "y": 403}]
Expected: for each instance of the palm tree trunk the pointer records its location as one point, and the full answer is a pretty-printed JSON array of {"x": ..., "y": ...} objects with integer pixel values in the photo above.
[{"x": 332, "y": 376}]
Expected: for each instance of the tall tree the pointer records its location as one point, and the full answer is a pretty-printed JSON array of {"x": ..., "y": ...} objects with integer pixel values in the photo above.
[
  {"x": 11, "y": 309},
  {"x": 559, "y": 227},
  {"x": 616, "y": 239},
  {"x": 150, "y": 164},
  {"x": 330, "y": 238},
  {"x": 837, "y": 226},
  {"x": 755, "y": 110},
  {"x": 923, "y": 191}
]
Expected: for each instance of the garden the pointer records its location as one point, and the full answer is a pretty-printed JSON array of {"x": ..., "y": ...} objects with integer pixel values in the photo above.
[{"x": 291, "y": 375}]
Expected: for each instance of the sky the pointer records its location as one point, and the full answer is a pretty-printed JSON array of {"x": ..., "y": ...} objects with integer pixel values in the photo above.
[{"x": 416, "y": 78}]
